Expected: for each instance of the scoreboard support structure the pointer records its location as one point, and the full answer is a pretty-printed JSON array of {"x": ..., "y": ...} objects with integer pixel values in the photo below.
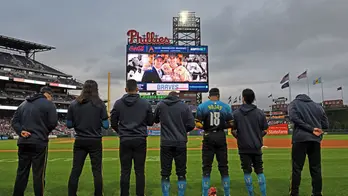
[{"x": 187, "y": 32}]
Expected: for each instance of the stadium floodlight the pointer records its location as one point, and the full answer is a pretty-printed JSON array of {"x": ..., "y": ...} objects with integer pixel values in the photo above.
[{"x": 187, "y": 19}]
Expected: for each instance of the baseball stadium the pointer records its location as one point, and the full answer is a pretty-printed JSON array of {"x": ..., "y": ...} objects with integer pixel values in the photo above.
[{"x": 21, "y": 74}]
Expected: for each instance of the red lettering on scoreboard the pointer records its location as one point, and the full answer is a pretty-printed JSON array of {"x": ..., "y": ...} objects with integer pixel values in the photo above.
[
  {"x": 150, "y": 38},
  {"x": 137, "y": 48}
]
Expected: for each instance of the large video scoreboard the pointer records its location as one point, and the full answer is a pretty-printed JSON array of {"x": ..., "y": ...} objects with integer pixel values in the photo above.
[{"x": 167, "y": 67}]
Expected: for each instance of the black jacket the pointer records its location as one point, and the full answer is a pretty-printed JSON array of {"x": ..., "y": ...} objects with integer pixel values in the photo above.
[
  {"x": 36, "y": 115},
  {"x": 251, "y": 124},
  {"x": 306, "y": 115},
  {"x": 176, "y": 120},
  {"x": 87, "y": 119},
  {"x": 151, "y": 76},
  {"x": 130, "y": 117}
]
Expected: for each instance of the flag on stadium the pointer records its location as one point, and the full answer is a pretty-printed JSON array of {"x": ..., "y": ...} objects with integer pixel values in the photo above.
[
  {"x": 229, "y": 99},
  {"x": 317, "y": 81},
  {"x": 235, "y": 100},
  {"x": 269, "y": 96},
  {"x": 302, "y": 75},
  {"x": 339, "y": 88},
  {"x": 285, "y": 85},
  {"x": 285, "y": 78}
]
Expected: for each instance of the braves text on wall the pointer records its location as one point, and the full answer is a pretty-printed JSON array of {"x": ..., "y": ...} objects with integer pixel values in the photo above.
[{"x": 150, "y": 38}]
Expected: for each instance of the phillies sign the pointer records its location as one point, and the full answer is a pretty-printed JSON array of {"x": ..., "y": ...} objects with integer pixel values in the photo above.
[{"x": 150, "y": 38}]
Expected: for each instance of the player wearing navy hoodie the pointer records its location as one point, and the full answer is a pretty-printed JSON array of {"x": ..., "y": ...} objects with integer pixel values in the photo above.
[
  {"x": 33, "y": 120},
  {"x": 309, "y": 120},
  {"x": 130, "y": 117},
  {"x": 87, "y": 115},
  {"x": 250, "y": 126},
  {"x": 176, "y": 120}
]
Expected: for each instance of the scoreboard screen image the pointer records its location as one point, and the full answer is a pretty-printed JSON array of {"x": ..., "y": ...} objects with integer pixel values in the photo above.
[{"x": 168, "y": 68}]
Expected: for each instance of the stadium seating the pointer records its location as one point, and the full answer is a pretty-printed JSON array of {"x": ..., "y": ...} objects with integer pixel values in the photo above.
[
  {"x": 22, "y": 94},
  {"x": 6, "y": 129},
  {"x": 21, "y": 62}
]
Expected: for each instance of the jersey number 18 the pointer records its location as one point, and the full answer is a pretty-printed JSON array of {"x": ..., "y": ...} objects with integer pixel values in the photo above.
[{"x": 214, "y": 118}]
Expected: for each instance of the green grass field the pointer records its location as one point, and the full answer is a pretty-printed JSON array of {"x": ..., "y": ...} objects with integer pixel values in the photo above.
[{"x": 276, "y": 163}]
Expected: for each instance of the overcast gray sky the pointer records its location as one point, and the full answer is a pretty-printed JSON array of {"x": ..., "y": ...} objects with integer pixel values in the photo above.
[{"x": 252, "y": 43}]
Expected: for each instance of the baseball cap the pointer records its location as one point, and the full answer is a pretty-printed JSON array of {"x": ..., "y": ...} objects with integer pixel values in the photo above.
[
  {"x": 214, "y": 92},
  {"x": 172, "y": 55},
  {"x": 46, "y": 89},
  {"x": 158, "y": 56}
]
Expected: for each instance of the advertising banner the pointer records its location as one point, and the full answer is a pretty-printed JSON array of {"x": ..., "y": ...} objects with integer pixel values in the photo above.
[
  {"x": 278, "y": 129},
  {"x": 153, "y": 133},
  {"x": 154, "y": 130}
]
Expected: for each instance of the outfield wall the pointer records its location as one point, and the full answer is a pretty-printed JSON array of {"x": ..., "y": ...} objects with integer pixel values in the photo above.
[{"x": 196, "y": 132}]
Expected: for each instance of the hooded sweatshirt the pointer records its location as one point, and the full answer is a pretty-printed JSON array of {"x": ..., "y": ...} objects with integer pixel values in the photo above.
[
  {"x": 130, "y": 117},
  {"x": 176, "y": 120},
  {"x": 306, "y": 115},
  {"x": 251, "y": 124},
  {"x": 36, "y": 115},
  {"x": 87, "y": 119}
]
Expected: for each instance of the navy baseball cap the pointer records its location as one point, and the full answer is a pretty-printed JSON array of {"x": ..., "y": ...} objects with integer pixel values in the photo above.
[
  {"x": 214, "y": 92},
  {"x": 46, "y": 89},
  {"x": 172, "y": 55},
  {"x": 158, "y": 56}
]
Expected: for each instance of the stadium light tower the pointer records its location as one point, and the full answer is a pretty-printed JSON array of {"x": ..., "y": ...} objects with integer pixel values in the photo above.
[
  {"x": 187, "y": 32},
  {"x": 187, "y": 29}
]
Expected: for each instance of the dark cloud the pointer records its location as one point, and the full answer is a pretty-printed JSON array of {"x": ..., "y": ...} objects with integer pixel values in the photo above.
[{"x": 252, "y": 44}]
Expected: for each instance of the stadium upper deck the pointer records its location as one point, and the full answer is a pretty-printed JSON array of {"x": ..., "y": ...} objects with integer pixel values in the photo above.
[
  {"x": 21, "y": 75},
  {"x": 26, "y": 67}
]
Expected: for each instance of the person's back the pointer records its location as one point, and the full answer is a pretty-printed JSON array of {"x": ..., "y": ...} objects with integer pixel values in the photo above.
[
  {"x": 87, "y": 114},
  {"x": 176, "y": 120},
  {"x": 133, "y": 115},
  {"x": 38, "y": 116},
  {"x": 251, "y": 124},
  {"x": 309, "y": 120},
  {"x": 88, "y": 118},
  {"x": 306, "y": 115},
  {"x": 214, "y": 117},
  {"x": 33, "y": 120},
  {"x": 130, "y": 117}
]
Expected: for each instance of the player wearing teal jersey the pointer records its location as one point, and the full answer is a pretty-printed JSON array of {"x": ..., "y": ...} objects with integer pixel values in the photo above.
[{"x": 213, "y": 116}]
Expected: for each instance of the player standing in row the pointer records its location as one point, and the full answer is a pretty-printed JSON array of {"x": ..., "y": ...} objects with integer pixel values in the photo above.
[
  {"x": 130, "y": 117},
  {"x": 87, "y": 115},
  {"x": 309, "y": 120},
  {"x": 214, "y": 116},
  {"x": 33, "y": 121},
  {"x": 176, "y": 120},
  {"x": 250, "y": 126}
]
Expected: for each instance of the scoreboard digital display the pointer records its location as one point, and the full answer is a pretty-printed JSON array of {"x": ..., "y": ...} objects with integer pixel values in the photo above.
[{"x": 168, "y": 68}]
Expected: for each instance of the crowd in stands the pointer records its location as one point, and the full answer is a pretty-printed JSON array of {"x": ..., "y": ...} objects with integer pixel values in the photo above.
[
  {"x": 24, "y": 67},
  {"x": 6, "y": 129},
  {"x": 15, "y": 94}
]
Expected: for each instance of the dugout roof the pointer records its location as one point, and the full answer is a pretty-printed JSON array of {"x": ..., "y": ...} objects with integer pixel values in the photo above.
[{"x": 21, "y": 45}]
